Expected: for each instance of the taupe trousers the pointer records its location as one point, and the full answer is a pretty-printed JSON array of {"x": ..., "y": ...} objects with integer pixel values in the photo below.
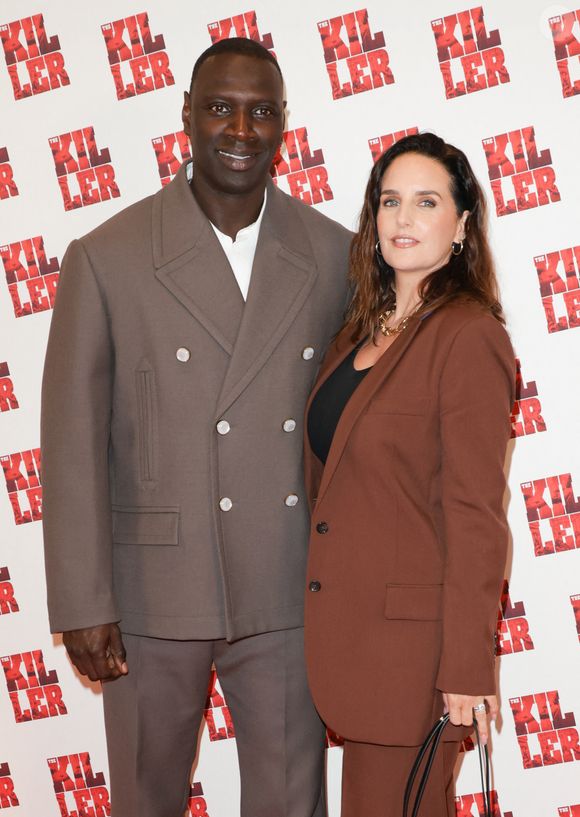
[{"x": 153, "y": 717}]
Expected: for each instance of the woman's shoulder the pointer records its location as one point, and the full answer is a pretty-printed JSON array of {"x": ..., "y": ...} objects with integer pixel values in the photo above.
[{"x": 466, "y": 314}]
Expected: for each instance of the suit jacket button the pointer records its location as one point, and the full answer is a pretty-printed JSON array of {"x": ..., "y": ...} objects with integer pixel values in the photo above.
[
  {"x": 322, "y": 527},
  {"x": 291, "y": 500},
  {"x": 226, "y": 503},
  {"x": 308, "y": 353},
  {"x": 223, "y": 427},
  {"x": 314, "y": 587},
  {"x": 289, "y": 424},
  {"x": 183, "y": 354}
]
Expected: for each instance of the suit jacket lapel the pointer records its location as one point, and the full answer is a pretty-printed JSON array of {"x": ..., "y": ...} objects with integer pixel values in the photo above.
[
  {"x": 283, "y": 275},
  {"x": 191, "y": 264},
  {"x": 361, "y": 398}
]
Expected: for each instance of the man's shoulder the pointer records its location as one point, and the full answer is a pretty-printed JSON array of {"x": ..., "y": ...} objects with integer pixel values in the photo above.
[{"x": 132, "y": 220}]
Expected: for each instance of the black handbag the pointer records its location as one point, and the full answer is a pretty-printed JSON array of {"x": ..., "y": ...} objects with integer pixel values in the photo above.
[{"x": 430, "y": 746}]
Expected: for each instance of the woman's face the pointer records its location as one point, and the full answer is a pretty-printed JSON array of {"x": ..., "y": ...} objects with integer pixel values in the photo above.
[{"x": 417, "y": 220}]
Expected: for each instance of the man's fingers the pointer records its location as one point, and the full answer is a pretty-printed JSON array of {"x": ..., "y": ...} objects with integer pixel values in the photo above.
[
  {"x": 117, "y": 651},
  {"x": 91, "y": 652}
]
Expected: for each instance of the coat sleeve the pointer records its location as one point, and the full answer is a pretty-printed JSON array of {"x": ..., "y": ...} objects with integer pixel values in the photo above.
[
  {"x": 477, "y": 390},
  {"x": 75, "y": 433}
]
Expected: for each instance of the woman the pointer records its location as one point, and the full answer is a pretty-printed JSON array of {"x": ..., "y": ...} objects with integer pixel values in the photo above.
[{"x": 407, "y": 429}]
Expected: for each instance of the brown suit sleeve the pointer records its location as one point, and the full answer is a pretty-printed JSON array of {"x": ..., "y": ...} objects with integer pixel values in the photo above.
[
  {"x": 476, "y": 393},
  {"x": 75, "y": 431}
]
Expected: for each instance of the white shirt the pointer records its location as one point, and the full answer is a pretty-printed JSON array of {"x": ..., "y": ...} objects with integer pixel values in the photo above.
[{"x": 241, "y": 250}]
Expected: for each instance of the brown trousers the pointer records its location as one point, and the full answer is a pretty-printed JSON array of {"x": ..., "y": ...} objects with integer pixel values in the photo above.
[
  {"x": 374, "y": 779},
  {"x": 152, "y": 719}
]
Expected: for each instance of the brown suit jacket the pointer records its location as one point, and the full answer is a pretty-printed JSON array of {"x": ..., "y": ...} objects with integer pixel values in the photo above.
[
  {"x": 411, "y": 554},
  {"x": 151, "y": 347}
]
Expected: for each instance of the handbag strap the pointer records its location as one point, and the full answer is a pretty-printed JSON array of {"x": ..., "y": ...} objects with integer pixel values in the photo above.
[{"x": 430, "y": 746}]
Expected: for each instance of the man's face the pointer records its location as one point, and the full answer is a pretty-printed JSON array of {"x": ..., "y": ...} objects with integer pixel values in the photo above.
[{"x": 234, "y": 118}]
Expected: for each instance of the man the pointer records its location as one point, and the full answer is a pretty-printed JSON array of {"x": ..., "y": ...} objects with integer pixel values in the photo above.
[{"x": 186, "y": 335}]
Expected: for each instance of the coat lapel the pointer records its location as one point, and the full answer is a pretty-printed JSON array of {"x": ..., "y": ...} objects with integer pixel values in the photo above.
[
  {"x": 191, "y": 264},
  {"x": 283, "y": 275},
  {"x": 361, "y": 397}
]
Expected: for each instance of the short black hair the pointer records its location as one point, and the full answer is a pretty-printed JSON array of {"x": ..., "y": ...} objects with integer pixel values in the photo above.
[{"x": 235, "y": 45}]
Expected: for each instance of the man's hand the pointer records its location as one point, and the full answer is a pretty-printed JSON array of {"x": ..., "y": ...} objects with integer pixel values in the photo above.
[
  {"x": 97, "y": 651},
  {"x": 460, "y": 708}
]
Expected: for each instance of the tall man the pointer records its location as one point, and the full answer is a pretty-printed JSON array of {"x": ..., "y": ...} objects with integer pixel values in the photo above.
[{"x": 186, "y": 335}]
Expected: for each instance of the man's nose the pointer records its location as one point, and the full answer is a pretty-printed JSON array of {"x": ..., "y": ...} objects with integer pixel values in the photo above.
[{"x": 241, "y": 124}]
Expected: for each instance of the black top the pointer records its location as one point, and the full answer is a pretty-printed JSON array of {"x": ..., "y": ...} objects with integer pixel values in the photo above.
[{"x": 329, "y": 402}]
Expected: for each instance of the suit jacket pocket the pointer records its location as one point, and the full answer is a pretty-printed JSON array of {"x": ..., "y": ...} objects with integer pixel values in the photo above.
[
  {"x": 145, "y": 525},
  {"x": 147, "y": 408},
  {"x": 414, "y": 602}
]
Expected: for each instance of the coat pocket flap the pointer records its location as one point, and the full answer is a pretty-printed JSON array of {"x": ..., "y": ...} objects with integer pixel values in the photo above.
[
  {"x": 145, "y": 525},
  {"x": 414, "y": 602}
]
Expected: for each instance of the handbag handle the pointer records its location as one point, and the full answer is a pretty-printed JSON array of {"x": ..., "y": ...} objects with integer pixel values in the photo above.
[{"x": 430, "y": 746}]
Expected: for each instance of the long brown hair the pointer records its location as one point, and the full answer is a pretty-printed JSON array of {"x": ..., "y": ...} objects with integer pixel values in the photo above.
[{"x": 470, "y": 274}]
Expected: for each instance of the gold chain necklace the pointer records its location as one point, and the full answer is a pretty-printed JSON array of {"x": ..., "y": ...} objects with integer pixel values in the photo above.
[{"x": 389, "y": 331}]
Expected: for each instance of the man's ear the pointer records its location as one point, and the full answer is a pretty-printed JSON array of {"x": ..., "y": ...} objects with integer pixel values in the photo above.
[{"x": 186, "y": 113}]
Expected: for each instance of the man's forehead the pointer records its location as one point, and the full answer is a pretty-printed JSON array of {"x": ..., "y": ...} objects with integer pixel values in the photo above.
[{"x": 238, "y": 72}]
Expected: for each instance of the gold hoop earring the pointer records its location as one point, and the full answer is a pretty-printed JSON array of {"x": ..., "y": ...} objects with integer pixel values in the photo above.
[{"x": 456, "y": 247}]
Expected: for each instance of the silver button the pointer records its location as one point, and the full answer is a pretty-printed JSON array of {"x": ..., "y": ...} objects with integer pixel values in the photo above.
[
  {"x": 289, "y": 425},
  {"x": 226, "y": 503},
  {"x": 183, "y": 354},
  {"x": 308, "y": 353},
  {"x": 223, "y": 427},
  {"x": 291, "y": 500}
]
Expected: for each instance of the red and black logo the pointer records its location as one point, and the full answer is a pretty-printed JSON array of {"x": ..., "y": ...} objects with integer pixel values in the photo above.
[
  {"x": 8, "y": 399},
  {"x": 32, "y": 278},
  {"x": 546, "y": 737},
  {"x": 470, "y": 59},
  {"x": 553, "y": 514},
  {"x": 8, "y": 796},
  {"x": 569, "y": 811},
  {"x": 78, "y": 789},
  {"x": 8, "y": 603},
  {"x": 138, "y": 60},
  {"x": 559, "y": 279},
  {"x": 7, "y": 184},
  {"x": 35, "y": 62},
  {"x": 575, "y": 602},
  {"x": 522, "y": 177},
  {"x": 34, "y": 691},
  {"x": 567, "y": 51},
  {"x": 473, "y": 805},
  {"x": 301, "y": 171},
  {"x": 526, "y": 413},
  {"x": 217, "y": 714},
  {"x": 356, "y": 59},
  {"x": 513, "y": 631},
  {"x": 24, "y": 484},
  {"x": 168, "y": 162},
  {"x": 196, "y": 805},
  {"x": 78, "y": 161},
  {"x": 379, "y": 144},
  {"x": 241, "y": 25}
]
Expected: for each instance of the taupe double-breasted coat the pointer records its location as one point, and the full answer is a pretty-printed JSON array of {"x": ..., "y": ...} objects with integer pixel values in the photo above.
[
  {"x": 172, "y": 419},
  {"x": 408, "y": 535}
]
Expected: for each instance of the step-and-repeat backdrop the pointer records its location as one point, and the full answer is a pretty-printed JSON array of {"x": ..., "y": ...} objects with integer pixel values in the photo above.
[{"x": 90, "y": 97}]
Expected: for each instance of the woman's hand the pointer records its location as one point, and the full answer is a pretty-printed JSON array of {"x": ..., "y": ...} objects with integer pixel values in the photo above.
[{"x": 461, "y": 711}]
